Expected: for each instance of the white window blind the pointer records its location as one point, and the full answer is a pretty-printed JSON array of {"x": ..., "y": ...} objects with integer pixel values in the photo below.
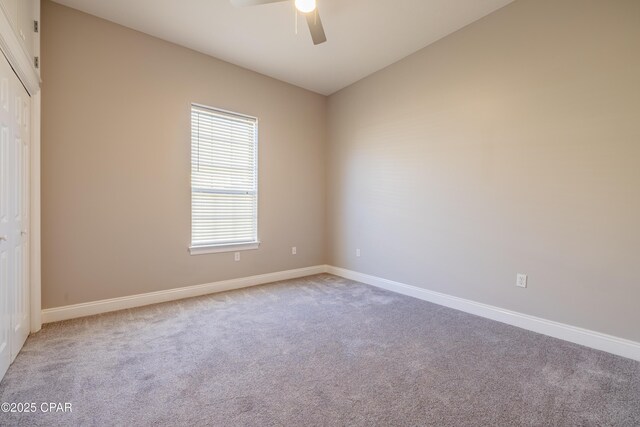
[{"x": 224, "y": 191}]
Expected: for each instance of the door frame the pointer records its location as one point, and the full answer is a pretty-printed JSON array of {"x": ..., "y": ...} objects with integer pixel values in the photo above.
[{"x": 23, "y": 65}]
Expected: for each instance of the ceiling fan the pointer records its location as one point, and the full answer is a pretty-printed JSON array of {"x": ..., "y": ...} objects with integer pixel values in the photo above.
[{"x": 306, "y": 7}]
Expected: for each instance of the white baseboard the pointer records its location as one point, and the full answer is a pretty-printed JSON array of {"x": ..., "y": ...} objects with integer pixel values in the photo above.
[
  {"x": 599, "y": 341},
  {"x": 619, "y": 346},
  {"x": 104, "y": 306}
]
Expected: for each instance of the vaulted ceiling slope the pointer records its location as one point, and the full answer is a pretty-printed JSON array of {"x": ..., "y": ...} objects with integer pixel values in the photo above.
[{"x": 364, "y": 36}]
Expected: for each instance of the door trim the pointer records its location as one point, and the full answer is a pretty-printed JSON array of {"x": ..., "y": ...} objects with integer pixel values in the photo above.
[{"x": 35, "y": 228}]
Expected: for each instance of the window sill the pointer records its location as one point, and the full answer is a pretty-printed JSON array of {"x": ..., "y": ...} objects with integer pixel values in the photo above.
[{"x": 214, "y": 249}]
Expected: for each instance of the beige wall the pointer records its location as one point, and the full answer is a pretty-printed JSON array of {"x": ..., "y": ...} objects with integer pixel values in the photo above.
[
  {"x": 510, "y": 146},
  {"x": 116, "y": 162}
]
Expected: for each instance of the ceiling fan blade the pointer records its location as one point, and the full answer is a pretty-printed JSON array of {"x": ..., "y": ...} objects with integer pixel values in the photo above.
[
  {"x": 242, "y": 3},
  {"x": 315, "y": 27}
]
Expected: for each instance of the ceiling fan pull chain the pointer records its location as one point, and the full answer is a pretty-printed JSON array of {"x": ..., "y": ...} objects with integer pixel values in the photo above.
[{"x": 296, "y": 12}]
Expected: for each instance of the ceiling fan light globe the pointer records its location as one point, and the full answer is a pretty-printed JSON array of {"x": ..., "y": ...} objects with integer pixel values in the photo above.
[{"x": 306, "y": 6}]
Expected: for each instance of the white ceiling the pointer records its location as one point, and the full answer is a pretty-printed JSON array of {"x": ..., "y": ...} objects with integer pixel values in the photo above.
[{"x": 364, "y": 36}]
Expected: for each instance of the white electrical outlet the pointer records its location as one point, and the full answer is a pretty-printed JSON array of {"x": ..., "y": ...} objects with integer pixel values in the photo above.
[
  {"x": 358, "y": 252},
  {"x": 521, "y": 280},
  {"x": 294, "y": 250},
  {"x": 236, "y": 256}
]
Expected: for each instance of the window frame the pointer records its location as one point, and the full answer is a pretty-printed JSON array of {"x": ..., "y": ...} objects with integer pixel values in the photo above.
[{"x": 225, "y": 247}]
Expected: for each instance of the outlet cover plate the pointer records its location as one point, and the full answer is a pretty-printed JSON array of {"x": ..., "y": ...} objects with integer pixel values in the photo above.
[{"x": 521, "y": 280}]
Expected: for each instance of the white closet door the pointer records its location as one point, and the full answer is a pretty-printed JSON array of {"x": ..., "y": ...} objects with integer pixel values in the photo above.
[
  {"x": 14, "y": 215},
  {"x": 20, "y": 313},
  {"x": 5, "y": 218}
]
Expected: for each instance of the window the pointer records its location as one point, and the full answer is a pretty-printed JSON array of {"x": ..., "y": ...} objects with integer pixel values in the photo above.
[{"x": 224, "y": 184}]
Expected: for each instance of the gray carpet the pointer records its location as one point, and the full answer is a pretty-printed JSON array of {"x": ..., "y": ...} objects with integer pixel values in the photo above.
[{"x": 317, "y": 351}]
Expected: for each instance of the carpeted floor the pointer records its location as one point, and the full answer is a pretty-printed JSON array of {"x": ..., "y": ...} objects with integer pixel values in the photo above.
[{"x": 317, "y": 351}]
